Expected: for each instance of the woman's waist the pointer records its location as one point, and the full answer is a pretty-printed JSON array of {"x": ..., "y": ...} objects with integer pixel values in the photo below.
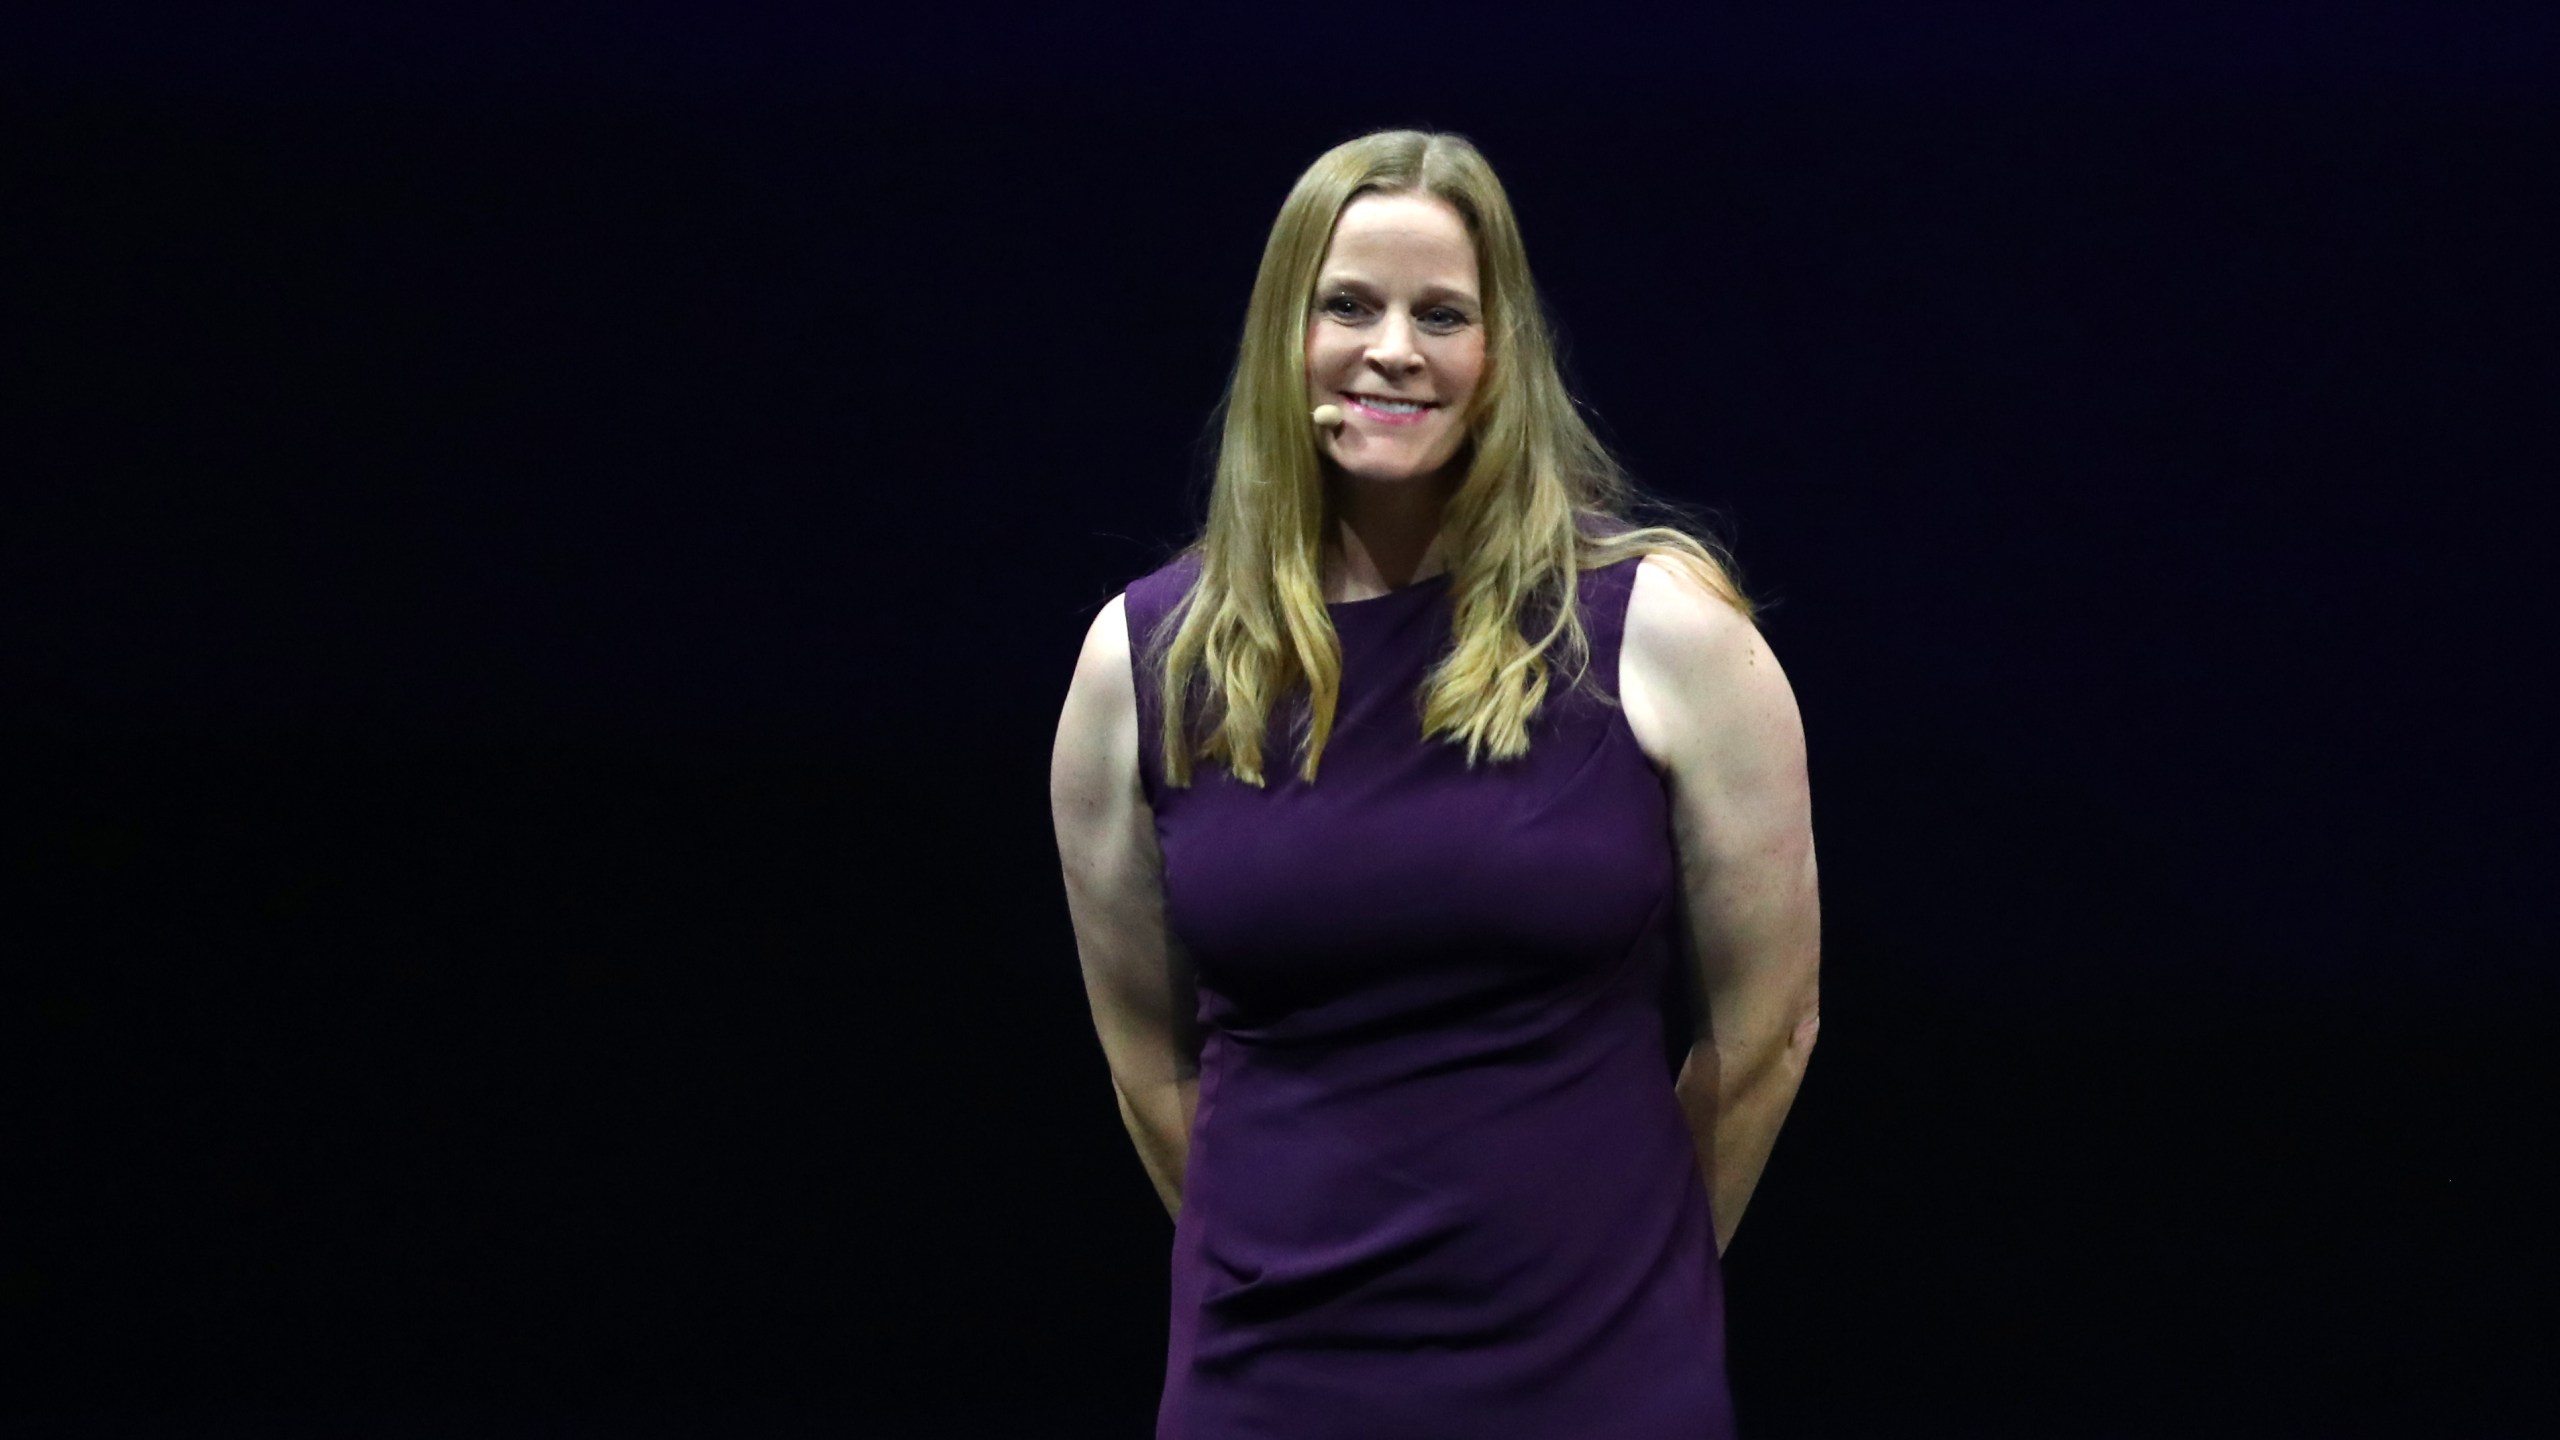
[{"x": 1446, "y": 1120}]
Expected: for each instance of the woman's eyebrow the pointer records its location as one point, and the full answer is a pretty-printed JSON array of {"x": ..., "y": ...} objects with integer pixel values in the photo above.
[{"x": 1429, "y": 292}]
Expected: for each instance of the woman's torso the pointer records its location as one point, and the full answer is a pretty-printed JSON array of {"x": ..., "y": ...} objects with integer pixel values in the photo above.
[{"x": 1438, "y": 1181}]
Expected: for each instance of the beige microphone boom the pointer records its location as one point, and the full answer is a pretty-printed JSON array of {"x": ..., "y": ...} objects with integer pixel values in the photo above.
[{"x": 1328, "y": 416}]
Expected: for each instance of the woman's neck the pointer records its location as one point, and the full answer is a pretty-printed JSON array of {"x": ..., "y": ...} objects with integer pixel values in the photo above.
[{"x": 1384, "y": 540}]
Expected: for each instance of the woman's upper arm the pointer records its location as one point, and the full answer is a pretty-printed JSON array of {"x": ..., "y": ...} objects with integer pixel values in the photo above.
[
  {"x": 1723, "y": 718},
  {"x": 1135, "y": 976}
]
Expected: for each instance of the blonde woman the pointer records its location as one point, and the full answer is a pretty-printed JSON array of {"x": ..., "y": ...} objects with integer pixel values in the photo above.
[{"x": 1387, "y": 809}]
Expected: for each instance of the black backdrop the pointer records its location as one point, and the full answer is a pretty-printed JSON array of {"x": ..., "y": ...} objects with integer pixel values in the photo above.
[{"x": 543, "y": 551}]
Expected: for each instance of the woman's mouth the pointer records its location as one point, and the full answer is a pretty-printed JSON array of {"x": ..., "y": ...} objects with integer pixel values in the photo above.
[{"x": 1389, "y": 412}]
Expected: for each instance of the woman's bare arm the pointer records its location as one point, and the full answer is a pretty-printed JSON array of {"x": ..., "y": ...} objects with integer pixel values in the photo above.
[
  {"x": 1708, "y": 699},
  {"x": 1135, "y": 976}
]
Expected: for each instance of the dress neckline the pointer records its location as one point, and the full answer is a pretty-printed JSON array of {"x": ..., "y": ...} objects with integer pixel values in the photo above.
[{"x": 1417, "y": 587}]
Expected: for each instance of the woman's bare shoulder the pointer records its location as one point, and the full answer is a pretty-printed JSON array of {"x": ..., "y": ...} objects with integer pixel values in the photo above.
[
  {"x": 1106, "y": 640},
  {"x": 1692, "y": 668},
  {"x": 1668, "y": 603},
  {"x": 1098, "y": 726}
]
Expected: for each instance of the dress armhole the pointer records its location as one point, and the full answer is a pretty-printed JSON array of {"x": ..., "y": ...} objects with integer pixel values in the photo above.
[
  {"x": 1607, "y": 595},
  {"x": 1140, "y": 618}
]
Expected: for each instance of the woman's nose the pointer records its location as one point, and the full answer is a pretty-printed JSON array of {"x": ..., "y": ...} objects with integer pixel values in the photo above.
[{"x": 1395, "y": 348}]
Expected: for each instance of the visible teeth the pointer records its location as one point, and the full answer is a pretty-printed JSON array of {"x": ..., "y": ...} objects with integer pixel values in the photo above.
[{"x": 1392, "y": 407}]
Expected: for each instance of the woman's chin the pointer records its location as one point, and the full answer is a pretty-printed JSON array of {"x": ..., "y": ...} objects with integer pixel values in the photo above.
[{"x": 1386, "y": 472}]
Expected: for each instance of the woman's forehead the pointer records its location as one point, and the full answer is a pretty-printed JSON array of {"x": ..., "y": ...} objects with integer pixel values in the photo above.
[
  {"x": 1400, "y": 236},
  {"x": 1417, "y": 217}
]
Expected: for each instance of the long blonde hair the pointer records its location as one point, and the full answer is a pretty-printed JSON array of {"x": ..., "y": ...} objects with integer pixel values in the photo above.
[{"x": 1541, "y": 500}]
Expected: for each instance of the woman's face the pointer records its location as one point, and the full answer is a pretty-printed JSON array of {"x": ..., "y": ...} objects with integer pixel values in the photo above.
[{"x": 1396, "y": 316}]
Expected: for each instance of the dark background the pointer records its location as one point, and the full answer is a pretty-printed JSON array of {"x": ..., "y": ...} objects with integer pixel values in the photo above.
[{"x": 543, "y": 548}]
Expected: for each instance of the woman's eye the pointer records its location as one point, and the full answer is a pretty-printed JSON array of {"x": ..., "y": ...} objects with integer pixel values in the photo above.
[{"x": 1350, "y": 307}]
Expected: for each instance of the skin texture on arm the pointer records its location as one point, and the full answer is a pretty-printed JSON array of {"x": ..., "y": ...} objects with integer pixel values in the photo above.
[
  {"x": 1710, "y": 705},
  {"x": 1136, "y": 977}
]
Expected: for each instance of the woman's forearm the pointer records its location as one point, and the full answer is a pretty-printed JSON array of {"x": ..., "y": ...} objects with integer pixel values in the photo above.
[
  {"x": 1159, "y": 1119},
  {"x": 1734, "y": 1111}
]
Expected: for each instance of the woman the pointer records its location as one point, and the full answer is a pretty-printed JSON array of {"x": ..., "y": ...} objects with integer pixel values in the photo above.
[{"x": 1386, "y": 1025}]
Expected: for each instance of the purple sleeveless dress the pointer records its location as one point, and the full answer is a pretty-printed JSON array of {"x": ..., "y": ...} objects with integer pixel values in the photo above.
[{"x": 1438, "y": 1184}]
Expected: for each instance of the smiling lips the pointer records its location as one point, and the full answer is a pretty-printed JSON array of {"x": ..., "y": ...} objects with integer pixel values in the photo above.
[{"x": 1367, "y": 405}]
